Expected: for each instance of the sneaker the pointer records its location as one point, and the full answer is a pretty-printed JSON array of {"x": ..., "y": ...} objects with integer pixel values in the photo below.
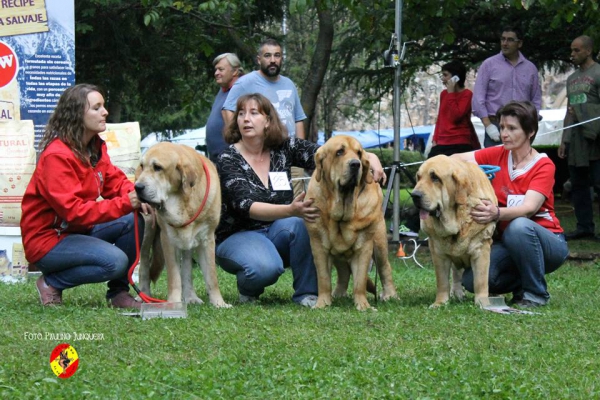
[
  {"x": 524, "y": 303},
  {"x": 308, "y": 301},
  {"x": 49, "y": 296},
  {"x": 576, "y": 235},
  {"x": 248, "y": 299},
  {"x": 124, "y": 300},
  {"x": 404, "y": 231}
]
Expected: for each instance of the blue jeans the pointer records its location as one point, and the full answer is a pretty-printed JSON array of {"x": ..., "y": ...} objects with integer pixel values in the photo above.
[
  {"x": 258, "y": 258},
  {"x": 105, "y": 254},
  {"x": 582, "y": 179},
  {"x": 519, "y": 261}
]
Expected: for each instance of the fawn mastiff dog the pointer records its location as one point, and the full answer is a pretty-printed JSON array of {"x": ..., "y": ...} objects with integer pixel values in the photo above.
[
  {"x": 184, "y": 188},
  {"x": 351, "y": 226},
  {"x": 447, "y": 190}
]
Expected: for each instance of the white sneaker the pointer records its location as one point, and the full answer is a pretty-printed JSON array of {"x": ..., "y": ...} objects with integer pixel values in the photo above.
[
  {"x": 404, "y": 231},
  {"x": 247, "y": 299},
  {"x": 308, "y": 301}
]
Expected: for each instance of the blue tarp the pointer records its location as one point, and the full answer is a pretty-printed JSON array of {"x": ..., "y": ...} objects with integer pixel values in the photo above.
[{"x": 372, "y": 138}]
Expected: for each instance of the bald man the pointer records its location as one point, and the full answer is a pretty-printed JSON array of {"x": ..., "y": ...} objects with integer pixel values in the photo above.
[{"x": 581, "y": 144}]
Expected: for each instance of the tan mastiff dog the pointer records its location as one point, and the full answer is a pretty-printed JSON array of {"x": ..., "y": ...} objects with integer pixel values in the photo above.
[
  {"x": 183, "y": 187},
  {"x": 447, "y": 190},
  {"x": 351, "y": 226}
]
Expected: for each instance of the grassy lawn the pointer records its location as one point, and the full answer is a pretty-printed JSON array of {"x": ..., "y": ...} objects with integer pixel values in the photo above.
[{"x": 279, "y": 350}]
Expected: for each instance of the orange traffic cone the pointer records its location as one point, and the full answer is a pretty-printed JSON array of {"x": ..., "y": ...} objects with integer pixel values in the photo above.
[{"x": 400, "y": 252}]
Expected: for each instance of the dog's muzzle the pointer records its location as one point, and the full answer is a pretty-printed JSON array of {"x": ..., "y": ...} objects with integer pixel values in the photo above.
[{"x": 417, "y": 197}]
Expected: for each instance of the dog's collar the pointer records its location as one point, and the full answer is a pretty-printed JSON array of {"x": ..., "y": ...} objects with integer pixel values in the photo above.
[{"x": 203, "y": 200}]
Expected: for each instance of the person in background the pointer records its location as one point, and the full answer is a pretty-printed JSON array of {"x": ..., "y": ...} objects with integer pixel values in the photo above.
[
  {"x": 531, "y": 242},
  {"x": 280, "y": 90},
  {"x": 262, "y": 229},
  {"x": 71, "y": 236},
  {"x": 501, "y": 78},
  {"x": 454, "y": 132},
  {"x": 227, "y": 70},
  {"x": 582, "y": 143}
]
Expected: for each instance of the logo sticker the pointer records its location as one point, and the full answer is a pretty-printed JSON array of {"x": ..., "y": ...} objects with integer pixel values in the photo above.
[
  {"x": 64, "y": 360},
  {"x": 8, "y": 64}
]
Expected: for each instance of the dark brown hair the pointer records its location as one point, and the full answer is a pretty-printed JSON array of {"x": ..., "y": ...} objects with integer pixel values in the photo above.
[
  {"x": 525, "y": 112},
  {"x": 275, "y": 133},
  {"x": 66, "y": 122}
]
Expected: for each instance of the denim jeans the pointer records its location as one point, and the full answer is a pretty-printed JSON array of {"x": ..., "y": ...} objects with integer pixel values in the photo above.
[
  {"x": 582, "y": 179},
  {"x": 105, "y": 254},
  {"x": 259, "y": 257},
  {"x": 519, "y": 261}
]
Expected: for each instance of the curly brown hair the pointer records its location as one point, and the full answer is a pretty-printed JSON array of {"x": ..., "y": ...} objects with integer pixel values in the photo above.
[
  {"x": 66, "y": 122},
  {"x": 275, "y": 133}
]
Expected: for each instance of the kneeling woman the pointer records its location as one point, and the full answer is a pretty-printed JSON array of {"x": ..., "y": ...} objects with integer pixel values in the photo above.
[
  {"x": 531, "y": 242},
  {"x": 71, "y": 236},
  {"x": 262, "y": 228}
]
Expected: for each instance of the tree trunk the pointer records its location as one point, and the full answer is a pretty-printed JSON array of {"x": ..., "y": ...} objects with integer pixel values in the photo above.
[{"x": 318, "y": 67}]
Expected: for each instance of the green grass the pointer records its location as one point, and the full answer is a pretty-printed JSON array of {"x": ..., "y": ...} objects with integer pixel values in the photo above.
[{"x": 276, "y": 349}]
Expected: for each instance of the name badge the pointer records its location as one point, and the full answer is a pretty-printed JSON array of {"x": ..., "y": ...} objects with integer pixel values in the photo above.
[
  {"x": 514, "y": 200},
  {"x": 279, "y": 181}
]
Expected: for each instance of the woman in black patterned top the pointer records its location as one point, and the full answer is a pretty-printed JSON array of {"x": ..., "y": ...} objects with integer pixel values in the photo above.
[{"x": 262, "y": 229}]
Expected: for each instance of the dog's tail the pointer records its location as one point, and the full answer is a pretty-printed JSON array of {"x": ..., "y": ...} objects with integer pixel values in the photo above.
[{"x": 371, "y": 287}]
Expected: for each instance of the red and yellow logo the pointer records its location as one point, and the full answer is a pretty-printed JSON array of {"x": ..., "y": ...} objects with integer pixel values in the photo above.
[{"x": 64, "y": 360}]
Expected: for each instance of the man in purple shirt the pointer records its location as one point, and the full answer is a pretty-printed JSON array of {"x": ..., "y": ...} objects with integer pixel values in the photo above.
[{"x": 501, "y": 78}]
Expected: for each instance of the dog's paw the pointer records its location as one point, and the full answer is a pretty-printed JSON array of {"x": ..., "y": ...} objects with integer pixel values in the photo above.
[
  {"x": 193, "y": 299},
  {"x": 388, "y": 295},
  {"x": 438, "y": 304},
  {"x": 221, "y": 304},
  {"x": 322, "y": 302},
  {"x": 363, "y": 305},
  {"x": 339, "y": 293},
  {"x": 458, "y": 294}
]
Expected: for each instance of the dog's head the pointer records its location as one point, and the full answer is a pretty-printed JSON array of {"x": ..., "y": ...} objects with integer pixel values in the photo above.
[
  {"x": 165, "y": 169},
  {"x": 442, "y": 183},
  {"x": 342, "y": 161}
]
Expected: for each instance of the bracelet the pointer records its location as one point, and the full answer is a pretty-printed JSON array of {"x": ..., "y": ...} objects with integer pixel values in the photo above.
[{"x": 498, "y": 215}]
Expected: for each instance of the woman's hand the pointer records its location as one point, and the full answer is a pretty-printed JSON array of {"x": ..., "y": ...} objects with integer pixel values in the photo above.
[
  {"x": 485, "y": 213},
  {"x": 146, "y": 208},
  {"x": 378, "y": 173},
  {"x": 304, "y": 209}
]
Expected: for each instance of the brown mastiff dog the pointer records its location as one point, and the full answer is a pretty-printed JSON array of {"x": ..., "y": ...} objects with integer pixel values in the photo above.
[
  {"x": 446, "y": 191},
  {"x": 351, "y": 226},
  {"x": 183, "y": 187}
]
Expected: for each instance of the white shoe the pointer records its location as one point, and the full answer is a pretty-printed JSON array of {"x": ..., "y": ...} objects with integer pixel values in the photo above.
[{"x": 308, "y": 301}]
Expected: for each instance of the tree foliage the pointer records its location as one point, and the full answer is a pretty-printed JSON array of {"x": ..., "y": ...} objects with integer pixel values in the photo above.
[{"x": 154, "y": 57}]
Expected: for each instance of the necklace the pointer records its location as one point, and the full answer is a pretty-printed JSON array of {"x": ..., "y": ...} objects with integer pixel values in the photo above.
[{"x": 515, "y": 164}]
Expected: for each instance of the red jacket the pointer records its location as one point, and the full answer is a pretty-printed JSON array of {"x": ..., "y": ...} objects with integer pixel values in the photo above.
[
  {"x": 61, "y": 198},
  {"x": 454, "y": 125}
]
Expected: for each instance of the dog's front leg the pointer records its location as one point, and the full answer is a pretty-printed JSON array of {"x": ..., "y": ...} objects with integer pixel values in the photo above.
[
  {"x": 323, "y": 265},
  {"x": 481, "y": 270},
  {"x": 457, "y": 288},
  {"x": 173, "y": 271},
  {"x": 360, "y": 267},
  {"x": 187, "y": 282},
  {"x": 442, "y": 278},
  {"x": 206, "y": 258}
]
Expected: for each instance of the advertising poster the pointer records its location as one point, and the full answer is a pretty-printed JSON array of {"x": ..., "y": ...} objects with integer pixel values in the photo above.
[{"x": 37, "y": 58}]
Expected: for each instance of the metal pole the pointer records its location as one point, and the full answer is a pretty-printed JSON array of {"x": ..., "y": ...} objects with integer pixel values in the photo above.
[{"x": 397, "y": 110}]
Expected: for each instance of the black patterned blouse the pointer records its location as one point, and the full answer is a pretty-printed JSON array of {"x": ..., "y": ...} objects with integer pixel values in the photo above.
[{"x": 241, "y": 187}]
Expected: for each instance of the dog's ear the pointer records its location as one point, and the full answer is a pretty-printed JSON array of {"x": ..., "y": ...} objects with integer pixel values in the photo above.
[
  {"x": 462, "y": 185},
  {"x": 319, "y": 157},
  {"x": 367, "y": 176},
  {"x": 188, "y": 175}
]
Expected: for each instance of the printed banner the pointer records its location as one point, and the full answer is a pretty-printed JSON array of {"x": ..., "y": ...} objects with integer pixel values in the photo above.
[{"x": 37, "y": 58}]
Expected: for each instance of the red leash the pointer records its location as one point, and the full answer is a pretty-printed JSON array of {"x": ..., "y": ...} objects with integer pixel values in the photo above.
[{"x": 144, "y": 296}]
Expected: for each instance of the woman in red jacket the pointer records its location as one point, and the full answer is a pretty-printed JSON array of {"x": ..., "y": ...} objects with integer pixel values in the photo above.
[
  {"x": 68, "y": 232},
  {"x": 454, "y": 132}
]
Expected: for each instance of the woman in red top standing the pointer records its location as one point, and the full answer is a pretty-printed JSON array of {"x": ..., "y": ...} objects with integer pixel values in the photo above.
[
  {"x": 454, "y": 132},
  {"x": 73, "y": 237}
]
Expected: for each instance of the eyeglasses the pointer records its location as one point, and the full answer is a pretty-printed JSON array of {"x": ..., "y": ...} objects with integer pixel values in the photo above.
[{"x": 509, "y": 40}]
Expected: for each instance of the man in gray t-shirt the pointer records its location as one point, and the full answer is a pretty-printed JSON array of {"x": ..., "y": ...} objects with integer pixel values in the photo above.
[{"x": 267, "y": 81}]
